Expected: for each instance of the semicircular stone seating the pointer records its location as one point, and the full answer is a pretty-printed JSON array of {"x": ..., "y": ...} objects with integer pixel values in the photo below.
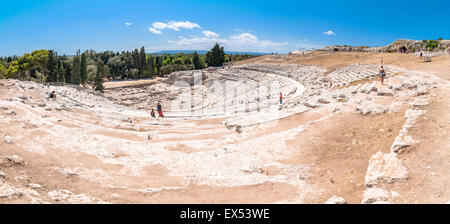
[
  {"x": 356, "y": 72},
  {"x": 237, "y": 90}
]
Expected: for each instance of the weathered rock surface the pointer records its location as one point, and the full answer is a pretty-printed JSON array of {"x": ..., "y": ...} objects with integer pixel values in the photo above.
[
  {"x": 420, "y": 102},
  {"x": 312, "y": 105},
  {"x": 323, "y": 100},
  {"x": 7, "y": 191},
  {"x": 381, "y": 202},
  {"x": 385, "y": 92},
  {"x": 11, "y": 113},
  {"x": 35, "y": 186},
  {"x": 336, "y": 200},
  {"x": 65, "y": 172},
  {"x": 59, "y": 195},
  {"x": 375, "y": 196},
  {"x": 385, "y": 168},
  {"x": 8, "y": 139},
  {"x": 370, "y": 108},
  {"x": 66, "y": 196},
  {"x": 423, "y": 90},
  {"x": 13, "y": 160},
  {"x": 186, "y": 78},
  {"x": 401, "y": 142}
]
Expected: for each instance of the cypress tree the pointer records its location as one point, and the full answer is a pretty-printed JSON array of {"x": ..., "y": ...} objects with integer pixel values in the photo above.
[
  {"x": 61, "y": 72},
  {"x": 150, "y": 66},
  {"x": 76, "y": 75},
  {"x": 83, "y": 69},
  {"x": 67, "y": 72},
  {"x": 142, "y": 59},
  {"x": 196, "y": 61},
  {"x": 159, "y": 61},
  {"x": 51, "y": 67},
  {"x": 98, "y": 81},
  {"x": 136, "y": 58}
]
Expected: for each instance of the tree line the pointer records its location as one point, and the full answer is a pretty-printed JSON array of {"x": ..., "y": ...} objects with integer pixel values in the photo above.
[{"x": 92, "y": 68}]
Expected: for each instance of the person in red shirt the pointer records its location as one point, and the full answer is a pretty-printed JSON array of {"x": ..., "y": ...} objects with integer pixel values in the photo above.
[{"x": 159, "y": 108}]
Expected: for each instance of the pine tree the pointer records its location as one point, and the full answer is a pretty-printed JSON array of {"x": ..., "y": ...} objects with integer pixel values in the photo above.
[
  {"x": 83, "y": 69},
  {"x": 216, "y": 56},
  {"x": 76, "y": 75},
  {"x": 98, "y": 81},
  {"x": 51, "y": 67}
]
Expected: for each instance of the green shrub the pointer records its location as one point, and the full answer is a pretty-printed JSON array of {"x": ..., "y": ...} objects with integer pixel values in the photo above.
[
  {"x": 431, "y": 44},
  {"x": 388, "y": 49}
]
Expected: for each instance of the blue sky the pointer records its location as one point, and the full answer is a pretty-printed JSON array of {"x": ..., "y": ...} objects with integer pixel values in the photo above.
[{"x": 258, "y": 26}]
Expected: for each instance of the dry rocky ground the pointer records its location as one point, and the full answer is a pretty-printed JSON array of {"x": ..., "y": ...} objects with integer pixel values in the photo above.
[{"x": 339, "y": 136}]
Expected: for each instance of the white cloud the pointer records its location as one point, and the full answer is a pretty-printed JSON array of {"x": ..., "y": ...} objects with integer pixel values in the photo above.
[
  {"x": 128, "y": 24},
  {"x": 155, "y": 31},
  {"x": 160, "y": 25},
  {"x": 208, "y": 33},
  {"x": 244, "y": 37},
  {"x": 239, "y": 42},
  {"x": 329, "y": 33},
  {"x": 248, "y": 39},
  {"x": 174, "y": 25}
]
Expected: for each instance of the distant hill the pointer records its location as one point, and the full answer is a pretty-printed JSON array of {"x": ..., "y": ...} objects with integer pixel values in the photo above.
[{"x": 204, "y": 52}]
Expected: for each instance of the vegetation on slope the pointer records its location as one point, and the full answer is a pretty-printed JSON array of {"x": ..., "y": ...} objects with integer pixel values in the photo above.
[{"x": 90, "y": 67}]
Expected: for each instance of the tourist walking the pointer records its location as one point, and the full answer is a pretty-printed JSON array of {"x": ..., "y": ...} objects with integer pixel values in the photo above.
[
  {"x": 281, "y": 98},
  {"x": 159, "y": 108},
  {"x": 382, "y": 75}
]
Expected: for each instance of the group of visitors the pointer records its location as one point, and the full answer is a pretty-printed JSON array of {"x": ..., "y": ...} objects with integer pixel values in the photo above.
[{"x": 159, "y": 109}]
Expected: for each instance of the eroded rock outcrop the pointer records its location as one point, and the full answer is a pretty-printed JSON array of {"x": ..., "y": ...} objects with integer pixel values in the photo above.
[
  {"x": 336, "y": 200},
  {"x": 376, "y": 196},
  {"x": 186, "y": 78},
  {"x": 385, "y": 168},
  {"x": 8, "y": 191},
  {"x": 13, "y": 160},
  {"x": 403, "y": 140}
]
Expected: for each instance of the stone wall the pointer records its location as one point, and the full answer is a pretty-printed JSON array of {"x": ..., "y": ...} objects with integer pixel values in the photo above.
[
  {"x": 186, "y": 78},
  {"x": 400, "y": 46}
]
